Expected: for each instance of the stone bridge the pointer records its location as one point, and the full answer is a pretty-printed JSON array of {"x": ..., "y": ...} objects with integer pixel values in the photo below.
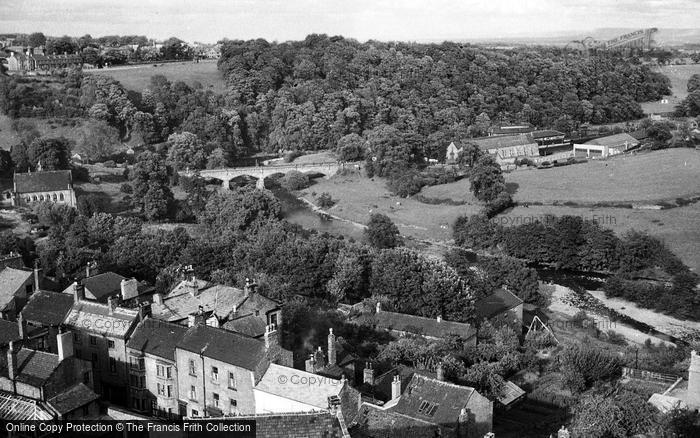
[{"x": 261, "y": 172}]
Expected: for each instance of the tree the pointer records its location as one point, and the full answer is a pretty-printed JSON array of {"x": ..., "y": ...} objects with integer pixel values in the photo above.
[
  {"x": 350, "y": 148},
  {"x": 36, "y": 39},
  {"x": 185, "y": 151},
  {"x": 486, "y": 179},
  {"x": 381, "y": 232},
  {"x": 149, "y": 178},
  {"x": 97, "y": 140},
  {"x": 295, "y": 180},
  {"x": 583, "y": 366},
  {"x": 217, "y": 159},
  {"x": 476, "y": 232},
  {"x": 52, "y": 153},
  {"x": 245, "y": 208},
  {"x": 470, "y": 155},
  {"x": 694, "y": 82},
  {"x": 621, "y": 415}
]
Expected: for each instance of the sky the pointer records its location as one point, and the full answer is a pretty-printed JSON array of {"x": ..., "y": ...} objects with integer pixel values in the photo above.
[{"x": 282, "y": 20}]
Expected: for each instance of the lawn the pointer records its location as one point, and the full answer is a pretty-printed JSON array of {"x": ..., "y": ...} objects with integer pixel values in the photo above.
[
  {"x": 679, "y": 75},
  {"x": 357, "y": 197},
  {"x": 655, "y": 176},
  {"x": 138, "y": 77},
  {"x": 50, "y": 127}
]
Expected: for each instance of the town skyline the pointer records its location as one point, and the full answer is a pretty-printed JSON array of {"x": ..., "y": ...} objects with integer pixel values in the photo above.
[{"x": 214, "y": 20}]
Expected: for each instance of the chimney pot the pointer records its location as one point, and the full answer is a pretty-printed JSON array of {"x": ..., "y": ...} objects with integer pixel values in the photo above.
[
  {"x": 111, "y": 304},
  {"x": 439, "y": 318},
  {"x": 11, "y": 361},
  {"x": 378, "y": 307},
  {"x": 396, "y": 387}
]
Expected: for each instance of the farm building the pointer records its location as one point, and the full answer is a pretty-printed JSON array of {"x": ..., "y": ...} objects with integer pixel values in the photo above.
[
  {"x": 606, "y": 146},
  {"x": 452, "y": 153},
  {"x": 508, "y": 147}
]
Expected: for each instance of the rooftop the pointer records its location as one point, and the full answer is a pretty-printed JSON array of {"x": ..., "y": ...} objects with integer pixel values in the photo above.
[
  {"x": 615, "y": 140},
  {"x": 219, "y": 344},
  {"x": 72, "y": 399},
  {"x": 16, "y": 407},
  {"x": 158, "y": 338},
  {"x": 373, "y": 421},
  {"x": 546, "y": 133},
  {"x": 499, "y": 301},
  {"x": 222, "y": 300},
  {"x": 249, "y": 325},
  {"x": 104, "y": 285},
  {"x": 45, "y": 181},
  {"x": 95, "y": 317},
  {"x": 47, "y": 308},
  {"x": 503, "y": 141},
  {"x": 9, "y": 332},
  {"x": 11, "y": 280},
  {"x": 279, "y": 380},
  {"x": 418, "y": 325},
  {"x": 295, "y": 425},
  {"x": 433, "y": 400},
  {"x": 34, "y": 367}
]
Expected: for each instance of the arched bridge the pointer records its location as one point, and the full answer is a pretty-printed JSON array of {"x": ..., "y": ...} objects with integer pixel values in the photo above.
[{"x": 261, "y": 172}]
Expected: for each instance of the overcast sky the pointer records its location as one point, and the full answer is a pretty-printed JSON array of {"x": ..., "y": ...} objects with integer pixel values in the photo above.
[{"x": 281, "y": 20}]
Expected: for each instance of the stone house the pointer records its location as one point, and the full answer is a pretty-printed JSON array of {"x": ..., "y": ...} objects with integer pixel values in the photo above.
[
  {"x": 16, "y": 286},
  {"x": 46, "y": 186}
]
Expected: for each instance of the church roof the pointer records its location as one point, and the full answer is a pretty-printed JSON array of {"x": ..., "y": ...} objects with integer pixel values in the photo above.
[{"x": 45, "y": 181}]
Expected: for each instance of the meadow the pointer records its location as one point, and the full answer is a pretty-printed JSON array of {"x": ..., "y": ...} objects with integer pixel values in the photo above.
[
  {"x": 138, "y": 77},
  {"x": 679, "y": 75}
]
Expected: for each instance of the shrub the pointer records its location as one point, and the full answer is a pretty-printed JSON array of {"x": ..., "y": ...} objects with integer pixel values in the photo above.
[
  {"x": 80, "y": 174},
  {"x": 502, "y": 202},
  {"x": 295, "y": 180},
  {"x": 109, "y": 164},
  {"x": 405, "y": 184},
  {"x": 126, "y": 188},
  {"x": 291, "y": 156},
  {"x": 324, "y": 200},
  {"x": 583, "y": 366}
]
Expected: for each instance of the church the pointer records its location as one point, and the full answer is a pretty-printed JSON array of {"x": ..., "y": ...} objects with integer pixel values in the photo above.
[{"x": 52, "y": 186}]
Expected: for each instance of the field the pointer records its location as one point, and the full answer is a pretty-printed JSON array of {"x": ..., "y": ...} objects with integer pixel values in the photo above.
[
  {"x": 679, "y": 75},
  {"x": 138, "y": 77},
  {"x": 655, "y": 176},
  {"x": 47, "y": 128}
]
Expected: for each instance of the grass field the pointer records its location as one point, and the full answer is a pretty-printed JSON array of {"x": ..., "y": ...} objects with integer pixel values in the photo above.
[
  {"x": 658, "y": 175},
  {"x": 138, "y": 77},
  {"x": 47, "y": 128},
  {"x": 679, "y": 75}
]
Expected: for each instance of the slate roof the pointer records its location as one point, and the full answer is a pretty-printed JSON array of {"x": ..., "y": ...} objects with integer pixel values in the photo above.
[
  {"x": 295, "y": 425},
  {"x": 104, "y": 285},
  {"x": 447, "y": 400},
  {"x": 223, "y": 300},
  {"x": 219, "y": 344},
  {"x": 503, "y": 141},
  {"x": 35, "y": 367},
  {"x": 47, "y": 308},
  {"x": 375, "y": 422},
  {"x": 45, "y": 181},
  {"x": 158, "y": 338},
  {"x": 94, "y": 317},
  {"x": 311, "y": 394},
  {"x": 418, "y": 325},
  {"x": 73, "y": 398},
  {"x": 9, "y": 332},
  {"x": 16, "y": 407},
  {"x": 499, "y": 301},
  {"x": 616, "y": 140},
  {"x": 11, "y": 281},
  {"x": 511, "y": 393},
  {"x": 249, "y": 325}
]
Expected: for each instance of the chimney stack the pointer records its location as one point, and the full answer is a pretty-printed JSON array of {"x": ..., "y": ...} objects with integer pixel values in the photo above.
[
  {"x": 247, "y": 288},
  {"x": 440, "y": 373},
  {"x": 21, "y": 326},
  {"x": 65, "y": 345},
  {"x": 319, "y": 358},
  {"x": 158, "y": 299},
  {"x": 11, "y": 362},
  {"x": 111, "y": 304},
  {"x": 331, "y": 347},
  {"x": 194, "y": 285},
  {"x": 396, "y": 387},
  {"x": 439, "y": 318},
  {"x": 378, "y": 307},
  {"x": 270, "y": 336},
  {"x": 368, "y": 374},
  {"x": 37, "y": 277},
  {"x": 144, "y": 311},
  {"x": 90, "y": 269},
  {"x": 78, "y": 291},
  {"x": 129, "y": 288},
  {"x": 694, "y": 380},
  {"x": 310, "y": 365}
]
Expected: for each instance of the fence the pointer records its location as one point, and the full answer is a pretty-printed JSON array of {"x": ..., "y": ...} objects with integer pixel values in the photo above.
[{"x": 634, "y": 373}]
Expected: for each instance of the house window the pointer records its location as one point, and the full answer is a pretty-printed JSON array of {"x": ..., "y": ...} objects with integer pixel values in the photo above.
[
  {"x": 76, "y": 338},
  {"x": 272, "y": 319},
  {"x": 231, "y": 380},
  {"x": 169, "y": 391},
  {"x": 193, "y": 393},
  {"x": 193, "y": 368},
  {"x": 133, "y": 380},
  {"x": 34, "y": 198},
  {"x": 86, "y": 377},
  {"x": 60, "y": 196},
  {"x": 169, "y": 372},
  {"x": 95, "y": 361},
  {"x": 216, "y": 400},
  {"x": 234, "y": 403},
  {"x": 110, "y": 344},
  {"x": 93, "y": 340},
  {"x": 136, "y": 363},
  {"x": 215, "y": 374},
  {"x": 195, "y": 413},
  {"x": 78, "y": 353},
  {"x": 112, "y": 365},
  {"x": 55, "y": 198},
  {"x": 161, "y": 389}
]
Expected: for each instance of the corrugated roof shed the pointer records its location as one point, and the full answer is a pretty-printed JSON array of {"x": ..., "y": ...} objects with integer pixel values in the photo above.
[
  {"x": 46, "y": 181},
  {"x": 617, "y": 140},
  {"x": 503, "y": 141},
  {"x": 16, "y": 407}
]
